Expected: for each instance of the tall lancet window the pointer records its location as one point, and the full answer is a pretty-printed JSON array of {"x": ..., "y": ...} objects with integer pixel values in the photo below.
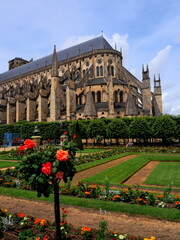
[
  {"x": 97, "y": 71},
  {"x": 98, "y": 96},
  {"x": 101, "y": 70}
]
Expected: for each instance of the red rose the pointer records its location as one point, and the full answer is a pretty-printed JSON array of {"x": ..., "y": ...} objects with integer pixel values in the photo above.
[
  {"x": 65, "y": 132},
  {"x": 62, "y": 155},
  {"x": 29, "y": 143},
  {"x": 61, "y": 139},
  {"x": 74, "y": 136},
  {"x": 59, "y": 175},
  {"x": 47, "y": 168},
  {"x": 49, "y": 140},
  {"x": 21, "y": 148}
]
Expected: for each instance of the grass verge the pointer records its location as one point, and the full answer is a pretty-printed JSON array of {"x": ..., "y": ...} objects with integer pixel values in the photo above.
[
  {"x": 165, "y": 173},
  {"x": 160, "y": 158},
  {"x": 119, "y": 173},
  {"x": 162, "y": 213},
  {"x": 99, "y": 162},
  {"x": 4, "y": 164}
]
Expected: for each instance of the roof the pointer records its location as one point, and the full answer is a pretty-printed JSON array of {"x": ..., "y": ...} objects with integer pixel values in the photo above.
[{"x": 85, "y": 47}]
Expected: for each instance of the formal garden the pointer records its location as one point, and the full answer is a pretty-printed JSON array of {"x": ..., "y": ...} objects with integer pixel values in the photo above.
[{"x": 103, "y": 174}]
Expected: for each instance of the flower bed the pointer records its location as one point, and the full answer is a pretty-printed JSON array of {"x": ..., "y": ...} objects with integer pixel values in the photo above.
[
  {"x": 9, "y": 178},
  {"x": 21, "y": 227}
]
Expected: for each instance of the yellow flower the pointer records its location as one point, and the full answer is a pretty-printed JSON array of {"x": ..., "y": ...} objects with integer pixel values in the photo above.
[
  {"x": 153, "y": 238},
  {"x": 6, "y": 210}
]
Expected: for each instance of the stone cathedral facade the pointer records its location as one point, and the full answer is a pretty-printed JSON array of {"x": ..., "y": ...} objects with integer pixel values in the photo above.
[{"x": 85, "y": 81}]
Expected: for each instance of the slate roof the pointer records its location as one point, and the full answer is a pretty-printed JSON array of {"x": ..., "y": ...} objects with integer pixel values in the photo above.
[
  {"x": 101, "y": 81},
  {"x": 85, "y": 47}
]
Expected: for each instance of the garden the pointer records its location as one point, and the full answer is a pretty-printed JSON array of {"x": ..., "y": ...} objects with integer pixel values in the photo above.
[{"x": 91, "y": 180}]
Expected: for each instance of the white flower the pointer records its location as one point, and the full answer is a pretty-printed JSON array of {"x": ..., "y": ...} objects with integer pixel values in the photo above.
[
  {"x": 122, "y": 237},
  {"x": 21, "y": 223},
  {"x": 62, "y": 228}
]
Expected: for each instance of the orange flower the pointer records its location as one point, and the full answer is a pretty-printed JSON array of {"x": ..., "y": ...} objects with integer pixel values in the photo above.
[{"x": 62, "y": 155}]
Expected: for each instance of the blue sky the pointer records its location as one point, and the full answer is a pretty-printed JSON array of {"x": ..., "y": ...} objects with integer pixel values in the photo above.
[{"x": 147, "y": 30}]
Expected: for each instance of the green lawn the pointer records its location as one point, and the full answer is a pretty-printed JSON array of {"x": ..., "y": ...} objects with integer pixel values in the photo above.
[
  {"x": 119, "y": 173},
  {"x": 92, "y": 150},
  {"x": 4, "y": 164},
  {"x": 158, "y": 157},
  {"x": 6, "y": 157},
  {"x": 164, "y": 174}
]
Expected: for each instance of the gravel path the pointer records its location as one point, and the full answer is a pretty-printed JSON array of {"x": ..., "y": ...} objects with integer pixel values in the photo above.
[{"x": 80, "y": 217}]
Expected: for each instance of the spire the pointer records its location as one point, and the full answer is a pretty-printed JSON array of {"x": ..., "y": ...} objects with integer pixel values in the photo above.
[
  {"x": 154, "y": 78},
  {"x": 121, "y": 50},
  {"x": 54, "y": 64},
  {"x": 147, "y": 69},
  {"x": 115, "y": 47},
  {"x": 159, "y": 77},
  {"x": 143, "y": 68}
]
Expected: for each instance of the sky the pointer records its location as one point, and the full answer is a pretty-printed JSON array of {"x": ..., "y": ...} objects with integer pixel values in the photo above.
[{"x": 148, "y": 31}]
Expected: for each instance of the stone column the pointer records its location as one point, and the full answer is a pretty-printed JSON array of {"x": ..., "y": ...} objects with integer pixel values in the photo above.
[
  {"x": 43, "y": 105},
  {"x": 20, "y": 108},
  {"x": 3, "y": 113},
  {"x": 31, "y": 107},
  {"x": 68, "y": 113},
  {"x": 111, "y": 99},
  {"x": 11, "y": 110},
  {"x": 55, "y": 99}
]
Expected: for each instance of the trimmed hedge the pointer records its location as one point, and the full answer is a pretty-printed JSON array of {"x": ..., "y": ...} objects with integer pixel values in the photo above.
[{"x": 166, "y": 127}]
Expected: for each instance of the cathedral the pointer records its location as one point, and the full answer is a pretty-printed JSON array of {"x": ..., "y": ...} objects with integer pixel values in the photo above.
[{"x": 86, "y": 81}]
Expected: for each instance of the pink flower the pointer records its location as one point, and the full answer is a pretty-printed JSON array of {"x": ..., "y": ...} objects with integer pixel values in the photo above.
[
  {"x": 59, "y": 175},
  {"x": 62, "y": 155},
  {"x": 47, "y": 168}
]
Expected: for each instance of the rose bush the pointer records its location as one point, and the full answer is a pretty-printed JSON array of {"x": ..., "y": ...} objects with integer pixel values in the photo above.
[{"x": 44, "y": 168}]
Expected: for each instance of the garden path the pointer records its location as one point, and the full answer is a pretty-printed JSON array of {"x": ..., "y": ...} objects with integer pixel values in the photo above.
[
  {"x": 97, "y": 169},
  {"x": 80, "y": 217},
  {"x": 140, "y": 176}
]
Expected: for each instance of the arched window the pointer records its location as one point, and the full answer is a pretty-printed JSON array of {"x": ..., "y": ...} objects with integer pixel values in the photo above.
[
  {"x": 112, "y": 70},
  {"x": 77, "y": 76},
  {"x": 84, "y": 71},
  {"x": 93, "y": 94},
  {"x": 91, "y": 73},
  {"x": 80, "y": 100},
  {"x": 97, "y": 71},
  {"x": 98, "y": 96},
  {"x": 101, "y": 70},
  {"x": 115, "y": 96},
  {"x": 121, "y": 96}
]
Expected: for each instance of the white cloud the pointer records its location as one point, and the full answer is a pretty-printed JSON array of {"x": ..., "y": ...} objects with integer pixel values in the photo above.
[
  {"x": 121, "y": 42},
  {"x": 158, "y": 62},
  {"x": 175, "y": 110}
]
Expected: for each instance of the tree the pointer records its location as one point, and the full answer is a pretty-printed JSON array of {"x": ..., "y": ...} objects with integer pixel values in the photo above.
[
  {"x": 139, "y": 129},
  {"x": 165, "y": 128},
  {"x": 116, "y": 129},
  {"x": 96, "y": 129}
]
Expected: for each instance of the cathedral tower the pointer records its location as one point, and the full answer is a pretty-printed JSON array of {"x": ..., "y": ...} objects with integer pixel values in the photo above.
[
  {"x": 146, "y": 92},
  {"x": 157, "y": 97}
]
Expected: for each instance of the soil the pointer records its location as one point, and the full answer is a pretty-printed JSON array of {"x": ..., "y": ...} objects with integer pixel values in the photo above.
[
  {"x": 122, "y": 223},
  {"x": 139, "y": 177}
]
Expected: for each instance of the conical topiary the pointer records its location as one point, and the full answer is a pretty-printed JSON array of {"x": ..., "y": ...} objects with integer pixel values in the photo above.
[{"x": 77, "y": 137}]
